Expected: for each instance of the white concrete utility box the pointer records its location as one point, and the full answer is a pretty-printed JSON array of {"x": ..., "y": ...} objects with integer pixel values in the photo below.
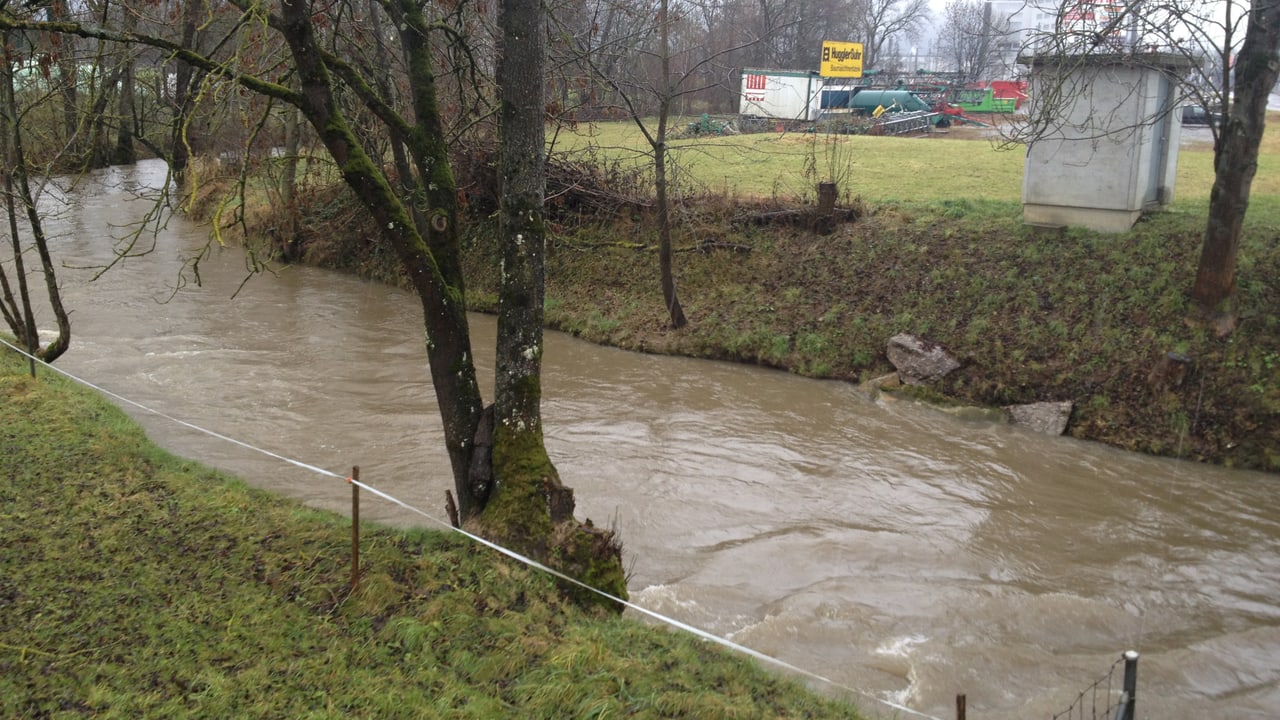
[{"x": 1104, "y": 138}]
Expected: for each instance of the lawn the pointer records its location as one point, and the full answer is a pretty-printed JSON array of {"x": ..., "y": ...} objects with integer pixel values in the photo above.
[{"x": 963, "y": 163}]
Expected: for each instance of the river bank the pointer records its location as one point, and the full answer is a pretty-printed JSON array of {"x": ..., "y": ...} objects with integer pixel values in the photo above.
[
  {"x": 910, "y": 553},
  {"x": 139, "y": 584},
  {"x": 1032, "y": 315}
]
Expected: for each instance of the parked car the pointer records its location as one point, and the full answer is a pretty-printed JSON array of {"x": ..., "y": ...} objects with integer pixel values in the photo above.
[{"x": 1200, "y": 115}]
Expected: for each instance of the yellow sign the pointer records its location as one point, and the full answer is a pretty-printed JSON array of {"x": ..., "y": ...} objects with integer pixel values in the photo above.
[{"x": 841, "y": 59}]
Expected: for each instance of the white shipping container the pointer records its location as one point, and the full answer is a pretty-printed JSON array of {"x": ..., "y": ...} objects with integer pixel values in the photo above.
[{"x": 780, "y": 94}]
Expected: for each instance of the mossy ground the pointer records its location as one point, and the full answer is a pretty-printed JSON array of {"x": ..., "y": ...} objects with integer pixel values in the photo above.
[{"x": 135, "y": 584}]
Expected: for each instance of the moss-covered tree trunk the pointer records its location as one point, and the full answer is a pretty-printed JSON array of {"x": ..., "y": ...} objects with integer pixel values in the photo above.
[
  {"x": 432, "y": 263},
  {"x": 529, "y": 506},
  {"x": 1236, "y": 163}
]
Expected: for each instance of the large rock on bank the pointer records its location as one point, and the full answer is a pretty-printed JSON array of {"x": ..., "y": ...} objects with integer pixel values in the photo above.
[
  {"x": 919, "y": 361},
  {"x": 1049, "y": 418}
]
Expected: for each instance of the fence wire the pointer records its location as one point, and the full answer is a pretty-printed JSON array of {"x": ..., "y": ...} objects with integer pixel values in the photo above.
[
  {"x": 697, "y": 632},
  {"x": 1107, "y": 698}
]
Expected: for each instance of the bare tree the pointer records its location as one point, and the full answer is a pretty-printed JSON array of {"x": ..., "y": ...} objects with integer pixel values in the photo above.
[
  {"x": 25, "y": 221},
  {"x": 661, "y": 72},
  {"x": 970, "y": 36},
  {"x": 878, "y": 22}
]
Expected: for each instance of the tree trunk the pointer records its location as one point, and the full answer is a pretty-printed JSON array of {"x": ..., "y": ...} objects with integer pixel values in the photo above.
[
  {"x": 67, "y": 76},
  {"x": 184, "y": 73},
  {"x": 824, "y": 217},
  {"x": 18, "y": 311},
  {"x": 674, "y": 310},
  {"x": 659, "y": 144},
  {"x": 124, "y": 154},
  {"x": 529, "y": 507},
  {"x": 522, "y": 137},
  {"x": 1256, "y": 69},
  {"x": 95, "y": 147},
  {"x": 17, "y": 187},
  {"x": 432, "y": 264},
  {"x": 289, "y": 242}
]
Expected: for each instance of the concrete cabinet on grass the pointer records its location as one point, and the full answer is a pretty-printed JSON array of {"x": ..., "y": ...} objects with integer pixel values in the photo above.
[{"x": 1104, "y": 138}]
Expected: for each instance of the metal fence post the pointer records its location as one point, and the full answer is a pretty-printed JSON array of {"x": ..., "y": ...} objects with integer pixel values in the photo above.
[
  {"x": 355, "y": 528},
  {"x": 1126, "y": 709}
]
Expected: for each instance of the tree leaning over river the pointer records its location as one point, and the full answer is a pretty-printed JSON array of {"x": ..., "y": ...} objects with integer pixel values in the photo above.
[{"x": 416, "y": 213}]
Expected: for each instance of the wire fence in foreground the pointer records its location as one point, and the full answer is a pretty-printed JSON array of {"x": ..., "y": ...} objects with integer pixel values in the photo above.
[
  {"x": 1108, "y": 698},
  {"x": 357, "y": 484}
]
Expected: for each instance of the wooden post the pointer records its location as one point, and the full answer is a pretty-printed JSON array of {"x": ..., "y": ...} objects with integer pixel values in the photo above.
[
  {"x": 824, "y": 217},
  {"x": 355, "y": 528},
  {"x": 1169, "y": 372},
  {"x": 960, "y": 703}
]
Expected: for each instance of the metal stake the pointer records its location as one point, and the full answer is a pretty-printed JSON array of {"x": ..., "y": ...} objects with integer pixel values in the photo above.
[
  {"x": 355, "y": 528},
  {"x": 1127, "y": 710}
]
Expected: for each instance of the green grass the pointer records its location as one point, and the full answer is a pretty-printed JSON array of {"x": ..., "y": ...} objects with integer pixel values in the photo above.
[
  {"x": 135, "y": 584},
  {"x": 773, "y": 164},
  {"x": 930, "y": 168}
]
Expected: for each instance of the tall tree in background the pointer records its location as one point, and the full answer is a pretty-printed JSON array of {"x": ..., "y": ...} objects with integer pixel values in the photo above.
[
  {"x": 879, "y": 21},
  {"x": 970, "y": 36},
  {"x": 665, "y": 64},
  {"x": 658, "y": 143},
  {"x": 64, "y": 56},
  {"x": 185, "y": 77}
]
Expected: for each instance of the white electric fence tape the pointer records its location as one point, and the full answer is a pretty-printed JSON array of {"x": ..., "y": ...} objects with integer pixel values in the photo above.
[{"x": 509, "y": 553}]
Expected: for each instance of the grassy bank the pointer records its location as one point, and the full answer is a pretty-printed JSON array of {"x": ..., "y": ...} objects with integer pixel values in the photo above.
[
  {"x": 1033, "y": 315},
  {"x": 939, "y": 250},
  {"x": 136, "y": 584}
]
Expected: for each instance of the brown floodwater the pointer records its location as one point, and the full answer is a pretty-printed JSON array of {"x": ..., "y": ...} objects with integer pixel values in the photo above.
[{"x": 907, "y": 552}]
